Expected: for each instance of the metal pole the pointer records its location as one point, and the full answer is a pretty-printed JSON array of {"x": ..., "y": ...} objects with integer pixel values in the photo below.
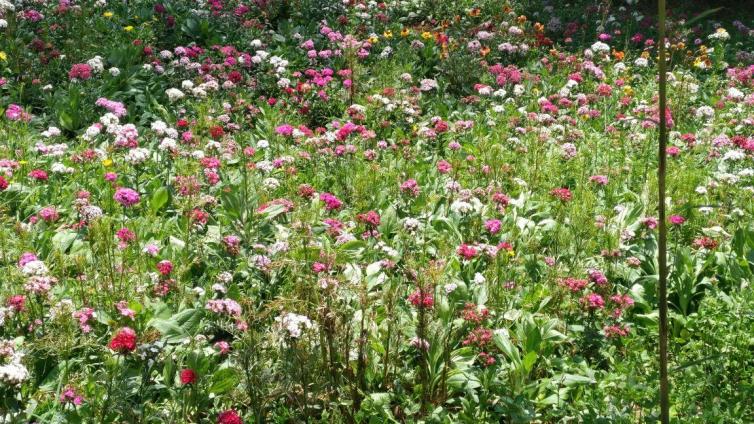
[{"x": 663, "y": 242}]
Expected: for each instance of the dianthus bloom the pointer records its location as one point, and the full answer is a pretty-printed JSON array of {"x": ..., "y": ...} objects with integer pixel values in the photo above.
[
  {"x": 3, "y": 183},
  {"x": 331, "y": 202},
  {"x": 562, "y": 194},
  {"x": 165, "y": 267},
  {"x": 188, "y": 376},
  {"x": 126, "y": 196},
  {"x": 599, "y": 179},
  {"x": 124, "y": 341},
  {"x": 417, "y": 298},
  {"x": 493, "y": 226},
  {"x": 410, "y": 187},
  {"x": 593, "y": 301},
  {"x": 229, "y": 417},
  {"x": 80, "y": 71},
  {"x": 467, "y": 252},
  {"x": 676, "y": 219}
]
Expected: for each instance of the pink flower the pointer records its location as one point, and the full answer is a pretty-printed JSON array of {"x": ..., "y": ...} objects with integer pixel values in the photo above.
[
  {"x": 419, "y": 299},
  {"x": 331, "y": 202},
  {"x": 80, "y": 71},
  {"x": 676, "y": 219},
  {"x": 15, "y": 112},
  {"x": 599, "y": 179},
  {"x": 493, "y": 226},
  {"x": 126, "y": 197},
  {"x": 593, "y": 301},
  {"x": 467, "y": 252},
  {"x": 410, "y": 187}
]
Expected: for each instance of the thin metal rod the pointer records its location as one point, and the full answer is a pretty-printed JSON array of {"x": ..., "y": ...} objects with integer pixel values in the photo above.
[{"x": 663, "y": 242}]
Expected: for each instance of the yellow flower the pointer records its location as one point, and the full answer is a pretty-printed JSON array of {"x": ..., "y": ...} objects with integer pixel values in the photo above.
[
  {"x": 388, "y": 34},
  {"x": 22, "y": 162},
  {"x": 511, "y": 253},
  {"x": 129, "y": 28},
  {"x": 108, "y": 14},
  {"x": 107, "y": 163},
  {"x": 3, "y": 56},
  {"x": 426, "y": 35},
  {"x": 628, "y": 91},
  {"x": 405, "y": 32},
  {"x": 373, "y": 40}
]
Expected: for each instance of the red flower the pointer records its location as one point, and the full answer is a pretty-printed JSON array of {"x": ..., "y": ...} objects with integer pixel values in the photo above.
[
  {"x": 124, "y": 341},
  {"x": 188, "y": 376},
  {"x": 3, "y": 183},
  {"x": 563, "y": 194},
  {"x": 216, "y": 132},
  {"x": 165, "y": 267},
  {"x": 229, "y": 417}
]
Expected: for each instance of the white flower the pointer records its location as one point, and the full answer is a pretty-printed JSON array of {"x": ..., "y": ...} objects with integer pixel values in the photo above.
[
  {"x": 461, "y": 208},
  {"x": 271, "y": 183},
  {"x": 14, "y": 373},
  {"x": 600, "y": 47},
  {"x": 411, "y": 224},
  {"x": 34, "y": 268},
  {"x": 174, "y": 94},
  {"x": 428, "y": 84},
  {"x": 720, "y": 34},
  {"x": 294, "y": 324},
  {"x": 96, "y": 64},
  {"x": 137, "y": 156}
]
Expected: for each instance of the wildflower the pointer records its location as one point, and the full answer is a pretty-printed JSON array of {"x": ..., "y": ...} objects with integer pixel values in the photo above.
[
  {"x": 70, "y": 396},
  {"x": 229, "y": 417},
  {"x": 294, "y": 324},
  {"x": 331, "y": 202},
  {"x": 188, "y": 376},
  {"x": 126, "y": 197},
  {"x": 676, "y": 219},
  {"x": 593, "y": 301},
  {"x": 80, "y": 71},
  {"x": 124, "y": 341},
  {"x": 493, "y": 226},
  {"x": 467, "y": 252},
  {"x": 419, "y": 298},
  {"x": 164, "y": 267},
  {"x": 563, "y": 194}
]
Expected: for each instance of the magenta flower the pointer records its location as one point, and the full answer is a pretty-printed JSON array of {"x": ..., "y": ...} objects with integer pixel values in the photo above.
[
  {"x": 126, "y": 196},
  {"x": 493, "y": 226},
  {"x": 676, "y": 219}
]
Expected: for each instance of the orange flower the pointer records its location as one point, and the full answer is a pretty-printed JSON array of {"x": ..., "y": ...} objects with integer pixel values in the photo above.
[
  {"x": 522, "y": 19},
  {"x": 484, "y": 51},
  {"x": 475, "y": 12},
  {"x": 618, "y": 55},
  {"x": 539, "y": 27}
]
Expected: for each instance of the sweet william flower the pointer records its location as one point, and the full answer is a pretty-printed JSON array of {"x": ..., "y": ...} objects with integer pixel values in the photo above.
[
  {"x": 229, "y": 417},
  {"x": 188, "y": 376},
  {"x": 126, "y": 196},
  {"x": 124, "y": 341}
]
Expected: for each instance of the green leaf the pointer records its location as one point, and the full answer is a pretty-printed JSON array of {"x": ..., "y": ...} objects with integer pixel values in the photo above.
[
  {"x": 160, "y": 199},
  {"x": 63, "y": 240},
  {"x": 529, "y": 361},
  {"x": 224, "y": 380}
]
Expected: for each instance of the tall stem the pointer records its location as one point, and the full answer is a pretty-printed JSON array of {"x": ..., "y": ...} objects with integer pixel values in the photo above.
[{"x": 663, "y": 243}]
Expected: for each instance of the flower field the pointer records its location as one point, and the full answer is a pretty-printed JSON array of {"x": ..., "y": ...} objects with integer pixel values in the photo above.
[{"x": 288, "y": 211}]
